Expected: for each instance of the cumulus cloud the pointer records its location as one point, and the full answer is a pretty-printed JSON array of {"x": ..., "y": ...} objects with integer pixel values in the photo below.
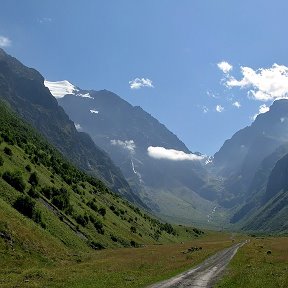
[
  {"x": 219, "y": 108},
  {"x": 225, "y": 67},
  {"x": 4, "y": 41},
  {"x": 236, "y": 104},
  {"x": 138, "y": 83},
  {"x": 171, "y": 154},
  {"x": 127, "y": 144},
  {"x": 262, "y": 109},
  {"x": 263, "y": 84}
]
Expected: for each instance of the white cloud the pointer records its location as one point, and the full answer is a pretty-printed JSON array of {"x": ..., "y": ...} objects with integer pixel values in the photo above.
[
  {"x": 94, "y": 111},
  {"x": 171, "y": 154},
  {"x": 219, "y": 108},
  {"x": 263, "y": 84},
  {"x": 205, "y": 109},
  {"x": 138, "y": 83},
  {"x": 4, "y": 41},
  {"x": 236, "y": 104},
  {"x": 211, "y": 94},
  {"x": 225, "y": 67},
  {"x": 127, "y": 144},
  {"x": 262, "y": 109}
]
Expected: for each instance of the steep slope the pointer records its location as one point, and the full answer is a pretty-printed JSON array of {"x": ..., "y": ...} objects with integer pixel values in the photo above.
[
  {"x": 241, "y": 157},
  {"x": 61, "y": 206},
  {"x": 157, "y": 165},
  {"x": 272, "y": 214},
  {"x": 23, "y": 88}
]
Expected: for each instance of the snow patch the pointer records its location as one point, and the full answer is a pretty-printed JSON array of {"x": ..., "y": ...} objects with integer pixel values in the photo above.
[
  {"x": 61, "y": 88},
  {"x": 87, "y": 95},
  {"x": 78, "y": 127}
]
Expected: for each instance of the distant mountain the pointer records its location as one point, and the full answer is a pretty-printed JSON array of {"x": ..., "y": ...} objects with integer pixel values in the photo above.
[
  {"x": 247, "y": 164},
  {"x": 158, "y": 166},
  {"x": 23, "y": 88}
]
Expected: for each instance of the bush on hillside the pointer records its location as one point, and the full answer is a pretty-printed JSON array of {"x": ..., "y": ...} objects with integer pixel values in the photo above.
[
  {"x": 8, "y": 151},
  {"x": 26, "y": 206},
  {"x": 14, "y": 179},
  {"x": 33, "y": 179}
]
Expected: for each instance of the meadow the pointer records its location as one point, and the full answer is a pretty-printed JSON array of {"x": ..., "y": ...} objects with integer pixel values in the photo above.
[{"x": 263, "y": 262}]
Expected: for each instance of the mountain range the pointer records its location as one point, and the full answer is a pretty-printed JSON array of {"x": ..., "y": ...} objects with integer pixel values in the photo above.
[{"x": 243, "y": 185}]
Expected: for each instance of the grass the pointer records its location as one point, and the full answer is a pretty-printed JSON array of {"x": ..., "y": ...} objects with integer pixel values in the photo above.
[
  {"x": 253, "y": 267},
  {"x": 121, "y": 267}
]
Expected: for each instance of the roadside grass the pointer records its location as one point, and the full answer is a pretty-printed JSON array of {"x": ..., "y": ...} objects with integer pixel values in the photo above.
[
  {"x": 254, "y": 266},
  {"x": 121, "y": 267}
]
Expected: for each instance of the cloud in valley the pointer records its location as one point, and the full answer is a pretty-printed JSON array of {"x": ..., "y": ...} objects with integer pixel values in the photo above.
[
  {"x": 138, "y": 83},
  {"x": 264, "y": 84},
  {"x": 127, "y": 144},
  {"x": 4, "y": 42},
  {"x": 171, "y": 154}
]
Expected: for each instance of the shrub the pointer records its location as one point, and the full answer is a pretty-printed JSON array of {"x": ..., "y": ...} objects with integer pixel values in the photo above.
[
  {"x": 133, "y": 229},
  {"x": 25, "y": 205},
  {"x": 33, "y": 193},
  {"x": 92, "y": 205},
  {"x": 96, "y": 245},
  {"x": 82, "y": 220},
  {"x": 33, "y": 179},
  {"x": 8, "y": 151},
  {"x": 14, "y": 179},
  {"x": 97, "y": 224},
  {"x": 102, "y": 211},
  {"x": 28, "y": 168},
  {"x": 1, "y": 161}
]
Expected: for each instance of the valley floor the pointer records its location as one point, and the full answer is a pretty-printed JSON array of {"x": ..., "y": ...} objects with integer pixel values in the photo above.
[
  {"x": 262, "y": 262},
  {"x": 125, "y": 267}
]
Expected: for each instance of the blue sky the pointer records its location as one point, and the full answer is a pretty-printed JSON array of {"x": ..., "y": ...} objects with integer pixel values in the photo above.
[{"x": 174, "y": 44}]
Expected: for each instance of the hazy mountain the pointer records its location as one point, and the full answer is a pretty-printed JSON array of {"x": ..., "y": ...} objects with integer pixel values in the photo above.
[
  {"x": 23, "y": 88},
  {"x": 240, "y": 157},
  {"x": 157, "y": 165},
  {"x": 253, "y": 178}
]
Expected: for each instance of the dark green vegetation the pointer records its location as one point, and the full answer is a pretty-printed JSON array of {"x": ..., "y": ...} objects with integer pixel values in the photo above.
[{"x": 23, "y": 88}]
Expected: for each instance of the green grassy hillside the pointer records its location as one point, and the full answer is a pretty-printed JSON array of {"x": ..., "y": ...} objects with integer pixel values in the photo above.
[{"x": 50, "y": 208}]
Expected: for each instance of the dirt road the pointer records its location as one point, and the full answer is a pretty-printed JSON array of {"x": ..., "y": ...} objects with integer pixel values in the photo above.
[{"x": 204, "y": 275}]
